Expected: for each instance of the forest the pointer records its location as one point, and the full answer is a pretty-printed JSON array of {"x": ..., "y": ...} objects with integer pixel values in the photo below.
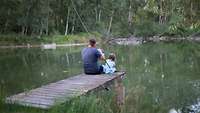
[{"x": 108, "y": 17}]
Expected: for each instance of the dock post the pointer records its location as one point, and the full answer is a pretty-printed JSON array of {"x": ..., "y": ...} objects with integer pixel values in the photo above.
[{"x": 120, "y": 92}]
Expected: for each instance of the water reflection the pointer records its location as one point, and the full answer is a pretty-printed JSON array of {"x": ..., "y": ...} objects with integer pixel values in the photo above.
[
  {"x": 159, "y": 76},
  {"x": 162, "y": 72},
  {"x": 23, "y": 69}
]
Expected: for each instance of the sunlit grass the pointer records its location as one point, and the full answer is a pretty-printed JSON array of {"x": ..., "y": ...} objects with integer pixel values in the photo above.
[{"x": 17, "y": 39}]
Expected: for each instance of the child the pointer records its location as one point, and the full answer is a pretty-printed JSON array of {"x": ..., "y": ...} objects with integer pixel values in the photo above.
[{"x": 109, "y": 66}]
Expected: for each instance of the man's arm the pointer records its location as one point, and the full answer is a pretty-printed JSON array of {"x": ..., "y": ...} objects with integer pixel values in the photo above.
[{"x": 100, "y": 54}]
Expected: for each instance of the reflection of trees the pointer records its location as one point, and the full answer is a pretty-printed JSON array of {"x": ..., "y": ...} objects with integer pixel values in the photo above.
[
  {"x": 163, "y": 70},
  {"x": 147, "y": 91},
  {"x": 24, "y": 69}
]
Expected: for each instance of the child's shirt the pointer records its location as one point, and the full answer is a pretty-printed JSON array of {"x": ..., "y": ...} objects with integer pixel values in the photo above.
[{"x": 109, "y": 67}]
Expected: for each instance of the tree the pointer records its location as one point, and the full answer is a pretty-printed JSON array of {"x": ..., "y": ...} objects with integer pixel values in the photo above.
[{"x": 111, "y": 17}]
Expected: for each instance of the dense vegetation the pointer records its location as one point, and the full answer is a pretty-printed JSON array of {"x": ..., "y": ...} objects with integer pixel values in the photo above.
[{"x": 108, "y": 17}]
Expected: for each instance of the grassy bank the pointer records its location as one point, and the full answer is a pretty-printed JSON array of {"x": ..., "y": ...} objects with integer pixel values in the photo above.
[
  {"x": 101, "y": 102},
  {"x": 17, "y": 39}
]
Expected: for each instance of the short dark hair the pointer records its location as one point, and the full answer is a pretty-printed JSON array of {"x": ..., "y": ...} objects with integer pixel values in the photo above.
[
  {"x": 92, "y": 42},
  {"x": 112, "y": 56}
]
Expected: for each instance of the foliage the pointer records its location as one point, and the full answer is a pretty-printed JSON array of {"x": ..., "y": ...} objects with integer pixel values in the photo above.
[
  {"x": 110, "y": 18},
  {"x": 149, "y": 29},
  {"x": 13, "y": 39},
  {"x": 87, "y": 104}
]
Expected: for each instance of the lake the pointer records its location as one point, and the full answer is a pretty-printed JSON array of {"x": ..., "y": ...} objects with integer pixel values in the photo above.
[{"x": 159, "y": 76}]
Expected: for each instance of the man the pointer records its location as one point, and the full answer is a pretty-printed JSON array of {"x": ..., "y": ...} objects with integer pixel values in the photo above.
[{"x": 90, "y": 57}]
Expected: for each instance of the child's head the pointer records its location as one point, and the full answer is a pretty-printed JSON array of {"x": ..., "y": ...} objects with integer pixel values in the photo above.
[{"x": 112, "y": 57}]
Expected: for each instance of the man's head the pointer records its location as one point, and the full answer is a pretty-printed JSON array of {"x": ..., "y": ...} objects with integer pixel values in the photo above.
[
  {"x": 92, "y": 42},
  {"x": 112, "y": 57}
]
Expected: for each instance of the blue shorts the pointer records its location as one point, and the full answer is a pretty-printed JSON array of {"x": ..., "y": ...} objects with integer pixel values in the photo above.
[{"x": 100, "y": 71}]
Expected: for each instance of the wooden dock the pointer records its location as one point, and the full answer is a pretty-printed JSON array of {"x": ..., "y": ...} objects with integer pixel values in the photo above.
[{"x": 59, "y": 92}]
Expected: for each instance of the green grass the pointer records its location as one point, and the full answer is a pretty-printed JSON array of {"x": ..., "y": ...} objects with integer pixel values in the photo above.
[
  {"x": 101, "y": 102},
  {"x": 17, "y": 39}
]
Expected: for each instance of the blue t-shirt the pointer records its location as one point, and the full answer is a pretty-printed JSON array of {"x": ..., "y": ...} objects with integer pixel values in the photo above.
[{"x": 90, "y": 58}]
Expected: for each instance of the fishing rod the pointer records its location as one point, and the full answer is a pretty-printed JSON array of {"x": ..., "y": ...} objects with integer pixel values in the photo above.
[{"x": 107, "y": 63}]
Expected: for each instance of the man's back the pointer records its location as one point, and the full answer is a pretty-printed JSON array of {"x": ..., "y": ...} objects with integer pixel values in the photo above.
[{"x": 90, "y": 56}]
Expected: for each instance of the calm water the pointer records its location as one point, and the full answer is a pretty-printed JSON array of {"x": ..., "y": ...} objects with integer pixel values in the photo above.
[{"x": 159, "y": 76}]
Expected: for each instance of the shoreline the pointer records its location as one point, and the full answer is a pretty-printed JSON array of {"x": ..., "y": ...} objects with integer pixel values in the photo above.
[
  {"x": 116, "y": 41},
  {"x": 44, "y": 46},
  {"x": 156, "y": 39}
]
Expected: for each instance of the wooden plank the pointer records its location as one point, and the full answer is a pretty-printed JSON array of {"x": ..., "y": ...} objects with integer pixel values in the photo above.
[
  {"x": 34, "y": 105},
  {"x": 48, "y": 95}
]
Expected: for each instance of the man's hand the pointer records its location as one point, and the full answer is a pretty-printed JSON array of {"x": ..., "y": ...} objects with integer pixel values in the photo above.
[
  {"x": 102, "y": 57},
  {"x": 102, "y": 54}
]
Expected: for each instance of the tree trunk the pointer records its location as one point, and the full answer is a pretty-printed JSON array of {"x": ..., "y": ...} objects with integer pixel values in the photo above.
[
  {"x": 23, "y": 30},
  {"x": 26, "y": 30},
  {"x": 57, "y": 22},
  {"x": 25, "y": 25},
  {"x": 67, "y": 23},
  {"x": 73, "y": 24},
  {"x": 41, "y": 32},
  {"x": 47, "y": 21},
  {"x": 191, "y": 11},
  {"x": 41, "y": 28},
  {"x": 98, "y": 10},
  {"x": 79, "y": 17},
  {"x": 7, "y": 22},
  {"x": 161, "y": 13},
  {"x": 47, "y": 26},
  {"x": 130, "y": 15},
  {"x": 6, "y": 26},
  {"x": 96, "y": 14},
  {"x": 110, "y": 23},
  {"x": 99, "y": 17}
]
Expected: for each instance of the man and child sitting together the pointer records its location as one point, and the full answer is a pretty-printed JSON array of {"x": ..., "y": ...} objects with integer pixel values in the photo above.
[{"x": 90, "y": 57}]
